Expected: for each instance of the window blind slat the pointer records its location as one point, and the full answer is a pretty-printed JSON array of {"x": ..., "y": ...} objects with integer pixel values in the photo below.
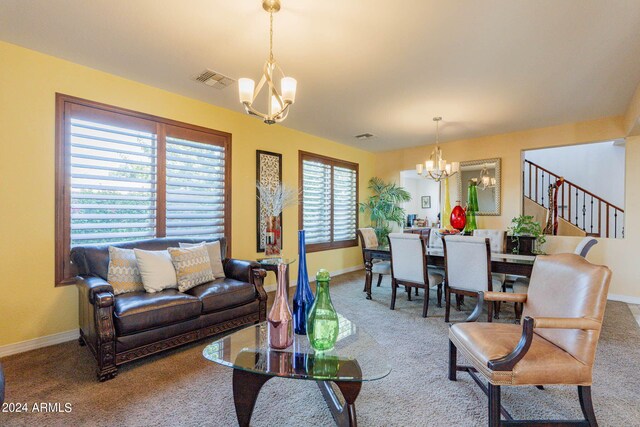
[
  {"x": 195, "y": 189},
  {"x": 114, "y": 180}
]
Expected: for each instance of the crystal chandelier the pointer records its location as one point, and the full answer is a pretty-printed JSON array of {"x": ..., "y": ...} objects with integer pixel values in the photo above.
[
  {"x": 486, "y": 180},
  {"x": 436, "y": 168},
  {"x": 278, "y": 101}
]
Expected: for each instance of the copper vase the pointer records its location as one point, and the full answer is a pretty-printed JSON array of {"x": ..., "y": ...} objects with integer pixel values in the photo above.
[{"x": 280, "y": 319}]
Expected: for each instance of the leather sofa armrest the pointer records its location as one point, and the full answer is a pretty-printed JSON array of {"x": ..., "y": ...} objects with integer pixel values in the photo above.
[
  {"x": 240, "y": 269},
  {"x": 93, "y": 285},
  {"x": 583, "y": 323}
]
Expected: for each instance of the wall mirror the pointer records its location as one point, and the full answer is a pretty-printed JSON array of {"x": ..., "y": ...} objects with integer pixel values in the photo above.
[{"x": 486, "y": 173}]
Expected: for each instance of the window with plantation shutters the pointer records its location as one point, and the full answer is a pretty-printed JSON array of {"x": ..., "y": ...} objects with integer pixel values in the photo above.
[
  {"x": 329, "y": 203},
  {"x": 124, "y": 176}
]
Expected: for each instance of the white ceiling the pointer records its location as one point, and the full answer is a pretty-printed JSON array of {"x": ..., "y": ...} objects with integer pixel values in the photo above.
[{"x": 487, "y": 67}]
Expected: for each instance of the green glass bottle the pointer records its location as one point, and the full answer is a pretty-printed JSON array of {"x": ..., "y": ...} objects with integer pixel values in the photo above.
[
  {"x": 322, "y": 322},
  {"x": 472, "y": 207}
]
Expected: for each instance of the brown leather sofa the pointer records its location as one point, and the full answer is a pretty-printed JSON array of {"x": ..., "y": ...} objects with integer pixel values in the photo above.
[{"x": 122, "y": 328}]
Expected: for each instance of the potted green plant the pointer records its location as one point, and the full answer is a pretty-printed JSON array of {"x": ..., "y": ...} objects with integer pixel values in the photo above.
[
  {"x": 526, "y": 235},
  {"x": 384, "y": 207}
]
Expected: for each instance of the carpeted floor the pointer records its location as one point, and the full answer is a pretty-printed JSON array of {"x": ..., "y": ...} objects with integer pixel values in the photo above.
[{"x": 179, "y": 387}]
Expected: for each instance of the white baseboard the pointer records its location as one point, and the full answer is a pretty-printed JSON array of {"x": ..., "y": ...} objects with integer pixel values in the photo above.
[
  {"x": 272, "y": 288},
  {"x": 624, "y": 298},
  {"x": 22, "y": 346}
]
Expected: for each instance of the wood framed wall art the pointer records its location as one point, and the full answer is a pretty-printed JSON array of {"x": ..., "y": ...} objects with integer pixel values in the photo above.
[{"x": 268, "y": 173}]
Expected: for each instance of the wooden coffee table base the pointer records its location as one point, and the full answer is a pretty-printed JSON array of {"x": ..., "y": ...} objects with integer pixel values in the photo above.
[{"x": 247, "y": 385}]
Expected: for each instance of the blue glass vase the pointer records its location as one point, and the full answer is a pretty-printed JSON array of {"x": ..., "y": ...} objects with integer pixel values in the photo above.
[{"x": 303, "y": 299}]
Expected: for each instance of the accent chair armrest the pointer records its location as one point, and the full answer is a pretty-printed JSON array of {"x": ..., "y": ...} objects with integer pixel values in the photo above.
[
  {"x": 583, "y": 323},
  {"x": 504, "y": 297},
  {"x": 493, "y": 296},
  {"x": 93, "y": 285},
  {"x": 507, "y": 362}
]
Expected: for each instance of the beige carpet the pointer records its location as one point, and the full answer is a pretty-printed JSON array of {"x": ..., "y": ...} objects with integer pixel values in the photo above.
[{"x": 179, "y": 387}]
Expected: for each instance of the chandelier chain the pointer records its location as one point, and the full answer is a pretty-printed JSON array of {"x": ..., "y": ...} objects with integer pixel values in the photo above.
[{"x": 271, "y": 36}]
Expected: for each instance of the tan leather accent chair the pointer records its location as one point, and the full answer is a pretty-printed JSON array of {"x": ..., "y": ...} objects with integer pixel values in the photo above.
[{"x": 556, "y": 343}]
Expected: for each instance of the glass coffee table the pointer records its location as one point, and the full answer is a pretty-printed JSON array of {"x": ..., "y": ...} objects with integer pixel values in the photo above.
[{"x": 356, "y": 358}]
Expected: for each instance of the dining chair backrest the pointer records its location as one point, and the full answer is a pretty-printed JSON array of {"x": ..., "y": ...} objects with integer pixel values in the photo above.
[
  {"x": 368, "y": 238},
  {"x": 467, "y": 263},
  {"x": 408, "y": 261},
  {"x": 435, "y": 241},
  {"x": 585, "y": 246},
  {"x": 567, "y": 285},
  {"x": 496, "y": 238}
]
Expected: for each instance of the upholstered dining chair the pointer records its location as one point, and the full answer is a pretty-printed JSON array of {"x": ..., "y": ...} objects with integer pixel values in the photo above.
[
  {"x": 497, "y": 239},
  {"x": 467, "y": 268},
  {"x": 556, "y": 344},
  {"x": 409, "y": 267},
  {"x": 368, "y": 239}
]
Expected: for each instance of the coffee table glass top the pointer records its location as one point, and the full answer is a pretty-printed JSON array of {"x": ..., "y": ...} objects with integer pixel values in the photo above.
[{"x": 355, "y": 357}]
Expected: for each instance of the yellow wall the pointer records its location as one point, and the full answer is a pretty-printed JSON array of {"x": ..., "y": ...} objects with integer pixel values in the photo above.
[
  {"x": 619, "y": 254},
  {"x": 30, "y": 305}
]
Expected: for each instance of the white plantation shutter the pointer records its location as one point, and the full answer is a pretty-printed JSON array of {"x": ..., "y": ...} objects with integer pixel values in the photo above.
[
  {"x": 329, "y": 210},
  {"x": 316, "y": 199},
  {"x": 113, "y": 183},
  {"x": 195, "y": 189},
  {"x": 122, "y": 176},
  {"x": 344, "y": 204}
]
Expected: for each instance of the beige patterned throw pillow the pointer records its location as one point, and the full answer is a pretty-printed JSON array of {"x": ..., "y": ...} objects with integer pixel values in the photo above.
[
  {"x": 215, "y": 256},
  {"x": 192, "y": 266},
  {"x": 123, "y": 273}
]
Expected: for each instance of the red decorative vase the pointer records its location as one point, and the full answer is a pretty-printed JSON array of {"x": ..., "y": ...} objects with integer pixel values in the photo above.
[{"x": 458, "y": 217}]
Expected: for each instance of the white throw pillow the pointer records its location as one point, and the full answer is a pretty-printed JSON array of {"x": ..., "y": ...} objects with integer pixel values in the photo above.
[
  {"x": 156, "y": 270},
  {"x": 215, "y": 256}
]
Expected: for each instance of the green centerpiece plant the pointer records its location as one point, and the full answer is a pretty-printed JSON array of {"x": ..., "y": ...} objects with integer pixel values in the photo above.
[
  {"x": 384, "y": 207},
  {"x": 524, "y": 225}
]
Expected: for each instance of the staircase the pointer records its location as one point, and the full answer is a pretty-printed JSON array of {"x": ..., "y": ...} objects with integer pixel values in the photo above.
[{"x": 577, "y": 207}]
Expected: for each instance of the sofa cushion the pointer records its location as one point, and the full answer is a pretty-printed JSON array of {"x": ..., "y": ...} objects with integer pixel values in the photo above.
[
  {"x": 192, "y": 266},
  {"x": 139, "y": 311},
  {"x": 223, "y": 293},
  {"x": 124, "y": 274}
]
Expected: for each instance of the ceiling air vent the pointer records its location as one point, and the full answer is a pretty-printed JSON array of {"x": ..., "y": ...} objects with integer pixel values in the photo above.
[
  {"x": 213, "y": 79},
  {"x": 364, "y": 136}
]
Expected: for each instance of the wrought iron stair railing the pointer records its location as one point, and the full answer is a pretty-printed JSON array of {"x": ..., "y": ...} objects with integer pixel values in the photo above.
[{"x": 576, "y": 205}]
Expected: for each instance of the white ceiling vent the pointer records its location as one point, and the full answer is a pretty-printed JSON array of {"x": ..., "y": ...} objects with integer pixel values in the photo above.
[
  {"x": 213, "y": 79},
  {"x": 363, "y": 136}
]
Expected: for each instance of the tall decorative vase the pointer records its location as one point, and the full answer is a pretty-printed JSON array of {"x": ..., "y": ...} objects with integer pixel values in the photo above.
[
  {"x": 303, "y": 299},
  {"x": 446, "y": 207},
  {"x": 273, "y": 237},
  {"x": 280, "y": 319},
  {"x": 472, "y": 207},
  {"x": 322, "y": 323},
  {"x": 458, "y": 217}
]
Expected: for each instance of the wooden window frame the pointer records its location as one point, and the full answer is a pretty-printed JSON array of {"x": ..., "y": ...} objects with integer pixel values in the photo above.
[
  {"x": 65, "y": 271},
  {"x": 325, "y": 246}
]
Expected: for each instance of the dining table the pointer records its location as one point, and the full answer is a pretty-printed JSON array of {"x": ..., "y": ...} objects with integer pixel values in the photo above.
[{"x": 506, "y": 263}]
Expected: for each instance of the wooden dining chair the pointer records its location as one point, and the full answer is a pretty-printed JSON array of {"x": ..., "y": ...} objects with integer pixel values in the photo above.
[
  {"x": 409, "y": 267},
  {"x": 368, "y": 239},
  {"x": 467, "y": 262},
  {"x": 556, "y": 344}
]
